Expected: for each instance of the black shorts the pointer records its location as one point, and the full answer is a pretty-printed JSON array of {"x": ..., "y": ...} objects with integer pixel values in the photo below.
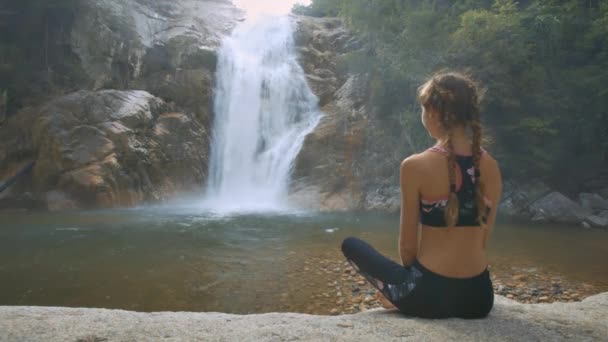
[{"x": 417, "y": 291}]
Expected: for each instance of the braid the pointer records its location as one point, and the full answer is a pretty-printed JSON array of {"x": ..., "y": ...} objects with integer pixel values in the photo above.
[
  {"x": 455, "y": 97},
  {"x": 452, "y": 208},
  {"x": 477, "y": 136}
]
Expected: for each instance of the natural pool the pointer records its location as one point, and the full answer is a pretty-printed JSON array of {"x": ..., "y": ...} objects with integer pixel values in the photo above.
[{"x": 175, "y": 259}]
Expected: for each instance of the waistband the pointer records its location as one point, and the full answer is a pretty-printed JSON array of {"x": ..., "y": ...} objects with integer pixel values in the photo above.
[{"x": 430, "y": 274}]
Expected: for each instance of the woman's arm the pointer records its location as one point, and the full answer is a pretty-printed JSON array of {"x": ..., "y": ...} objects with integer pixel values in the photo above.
[
  {"x": 492, "y": 181},
  {"x": 410, "y": 202}
]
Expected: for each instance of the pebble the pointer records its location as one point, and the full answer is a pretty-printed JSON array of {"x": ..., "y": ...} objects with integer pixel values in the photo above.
[
  {"x": 530, "y": 285},
  {"x": 519, "y": 277}
]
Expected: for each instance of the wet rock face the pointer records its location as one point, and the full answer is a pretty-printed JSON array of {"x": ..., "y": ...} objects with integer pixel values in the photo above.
[
  {"x": 320, "y": 43},
  {"x": 118, "y": 41},
  {"x": 326, "y": 164},
  {"x": 167, "y": 47},
  {"x": 348, "y": 162},
  {"x": 105, "y": 149},
  {"x": 120, "y": 148},
  {"x": 325, "y": 177}
]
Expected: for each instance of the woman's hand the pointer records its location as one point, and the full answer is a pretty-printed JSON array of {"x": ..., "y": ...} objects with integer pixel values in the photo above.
[{"x": 383, "y": 301}]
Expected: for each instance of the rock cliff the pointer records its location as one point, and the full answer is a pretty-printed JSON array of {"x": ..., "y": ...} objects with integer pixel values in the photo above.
[
  {"x": 104, "y": 149},
  {"x": 109, "y": 145},
  {"x": 348, "y": 162}
]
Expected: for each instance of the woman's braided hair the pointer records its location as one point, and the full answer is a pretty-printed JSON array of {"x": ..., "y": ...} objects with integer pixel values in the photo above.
[{"x": 455, "y": 97}]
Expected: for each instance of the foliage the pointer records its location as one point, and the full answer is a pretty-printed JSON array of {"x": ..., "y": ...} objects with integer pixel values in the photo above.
[
  {"x": 543, "y": 65},
  {"x": 319, "y": 8}
]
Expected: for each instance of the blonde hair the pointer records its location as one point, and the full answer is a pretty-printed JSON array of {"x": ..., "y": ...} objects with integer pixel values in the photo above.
[{"x": 456, "y": 98}]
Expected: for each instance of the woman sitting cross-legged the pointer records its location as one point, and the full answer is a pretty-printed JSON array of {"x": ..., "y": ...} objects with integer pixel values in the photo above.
[{"x": 452, "y": 190}]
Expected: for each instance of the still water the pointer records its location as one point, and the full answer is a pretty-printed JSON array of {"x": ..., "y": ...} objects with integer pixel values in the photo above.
[{"x": 174, "y": 259}]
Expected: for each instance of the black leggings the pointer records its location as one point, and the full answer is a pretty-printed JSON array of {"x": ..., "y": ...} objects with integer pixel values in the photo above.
[{"x": 415, "y": 290}]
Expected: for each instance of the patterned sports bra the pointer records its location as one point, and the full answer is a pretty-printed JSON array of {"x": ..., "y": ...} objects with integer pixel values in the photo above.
[{"x": 432, "y": 210}]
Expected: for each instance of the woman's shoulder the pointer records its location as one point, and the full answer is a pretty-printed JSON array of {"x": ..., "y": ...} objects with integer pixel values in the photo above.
[
  {"x": 423, "y": 157},
  {"x": 414, "y": 164},
  {"x": 412, "y": 161},
  {"x": 488, "y": 161}
]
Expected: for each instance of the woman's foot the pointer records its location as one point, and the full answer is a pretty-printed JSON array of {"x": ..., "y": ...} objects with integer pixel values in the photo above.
[{"x": 383, "y": 301}]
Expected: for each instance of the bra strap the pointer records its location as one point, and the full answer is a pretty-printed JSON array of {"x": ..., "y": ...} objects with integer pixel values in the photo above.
[{"x": 438, "y": 149}]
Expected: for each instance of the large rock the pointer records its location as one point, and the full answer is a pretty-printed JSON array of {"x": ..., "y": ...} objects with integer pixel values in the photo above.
[
  {"x": 166, "y": 47},
  {"x": 596, "y": 221},
  {"x": 105, "y": 149},
  {"x": 320, "y": 43},
  {"x": 324, "y": 176},
  {"x": 119, "y": 40},
  {"x": 351, "y": 161},
  {"x": 518, "y": 197},
  {"x": 508, "y": 321},
  {"x": 556, "y": 207},
  {"x": 113, "y": 148},
  {"x": 326, "y": 160},
  {"x": 593, "y": 202}
]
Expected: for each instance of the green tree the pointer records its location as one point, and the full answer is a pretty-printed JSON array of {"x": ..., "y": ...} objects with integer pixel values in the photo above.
[{"x": 543, "y": 65}]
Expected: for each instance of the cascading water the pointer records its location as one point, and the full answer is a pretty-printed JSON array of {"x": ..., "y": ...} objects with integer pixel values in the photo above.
[{"x": 263, "y": 111}]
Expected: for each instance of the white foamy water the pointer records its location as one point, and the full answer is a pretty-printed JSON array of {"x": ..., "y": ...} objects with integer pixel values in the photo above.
[{"x": 263, "y": 111}]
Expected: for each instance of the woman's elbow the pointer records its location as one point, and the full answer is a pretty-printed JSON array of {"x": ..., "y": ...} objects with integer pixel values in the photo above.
[{"x": 407, "y": 256}]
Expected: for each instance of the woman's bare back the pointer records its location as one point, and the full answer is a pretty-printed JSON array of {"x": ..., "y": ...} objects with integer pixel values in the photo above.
[{"x": 455, "y": 251}]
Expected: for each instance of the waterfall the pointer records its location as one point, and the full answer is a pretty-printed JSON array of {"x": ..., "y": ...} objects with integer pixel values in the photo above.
[{"x": 264, "y": 109}]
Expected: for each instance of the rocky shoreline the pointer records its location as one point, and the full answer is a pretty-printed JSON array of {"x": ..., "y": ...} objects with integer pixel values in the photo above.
[
  {"x": 350, "y": 293},
  {"x": 537, "y": 202}
]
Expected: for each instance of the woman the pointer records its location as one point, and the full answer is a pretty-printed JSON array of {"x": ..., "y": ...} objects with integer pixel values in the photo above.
[{"x": 452, "y": 189}]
